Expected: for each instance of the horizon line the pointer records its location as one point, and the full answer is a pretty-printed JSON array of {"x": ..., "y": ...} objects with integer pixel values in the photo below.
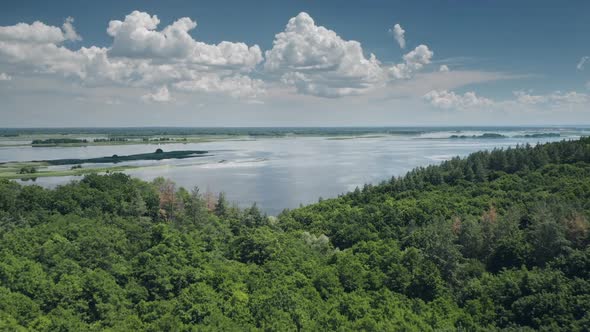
[{"x": 306, "y": 127}]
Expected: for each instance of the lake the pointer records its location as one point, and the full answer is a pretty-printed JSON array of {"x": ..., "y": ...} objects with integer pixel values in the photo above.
[{"x": 284, "y": 172}]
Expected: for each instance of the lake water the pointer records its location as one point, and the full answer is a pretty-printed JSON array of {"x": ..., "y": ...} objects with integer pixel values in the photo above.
[{"x": 285, "y": 172}]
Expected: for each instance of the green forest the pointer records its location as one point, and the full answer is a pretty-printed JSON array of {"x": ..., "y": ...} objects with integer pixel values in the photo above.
[{"x": 494, "y": 241}]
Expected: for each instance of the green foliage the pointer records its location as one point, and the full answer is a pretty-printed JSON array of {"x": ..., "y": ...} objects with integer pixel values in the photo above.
[
  {"x": 497, "y": 240},
  {"x": 27, "y": 170},
  {"x": 55, "y": 141},
  {"x": 159, "y": 154}
]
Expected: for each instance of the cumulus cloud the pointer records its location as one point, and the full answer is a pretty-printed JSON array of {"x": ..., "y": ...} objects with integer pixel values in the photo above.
[
  {"x": 37, "y": 32},
  {"x": 420, "y": 56},
  {"x": 582, "y": 62},
  {"x": 318, "y": 61},
  {"x": 450, "y": 100},
  {"x": 309, "y": 58},
  {"x": 162, "y": 95},
  {"x": 399, "y": 35},
  {"x": 140, "y": 56},
  {"x": 443, "y": 68},
  {"x": 5, "y": 77},
  {"x": 69, "y": 31},
  {"x": 136, "y": 36},
  {"x": 413, "y": 61}
]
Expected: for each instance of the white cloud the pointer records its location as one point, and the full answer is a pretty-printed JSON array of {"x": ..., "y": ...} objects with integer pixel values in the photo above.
[
  {"x": 137, "y": 36},
  {"x": 450, "y": 100},
  {"x": 420, "y": 56},
  {"x": 399, "y": 35},
  {"x": 236, "y": 86},
  {"x": 523, "y": 100},
  {"x": 443, "y": 69},
  {"x": 319, "y": 62},
  {"x": 309, "y": 58},
  {"x": 580, "y": 65},
  {"x": 413, "y": 61},
  {"x": 5, "y": 77},
  {"x": 162, "y": 95},
  {"x": 526, "y": 98},
  {"x": 69, "y": 31},
  {"x": 37, "y": 32},
  {"x": 139, "y": 56}
]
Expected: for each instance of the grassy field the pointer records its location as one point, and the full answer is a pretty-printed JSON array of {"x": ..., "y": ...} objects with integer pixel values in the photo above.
[{"x": 11, "y": 170}]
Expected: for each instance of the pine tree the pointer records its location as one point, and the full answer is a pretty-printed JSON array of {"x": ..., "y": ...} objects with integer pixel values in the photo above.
[{"x": 221, "y": 206}]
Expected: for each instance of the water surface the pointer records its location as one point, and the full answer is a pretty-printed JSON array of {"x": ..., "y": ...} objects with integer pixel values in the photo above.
[{"x": 284, "y": 172}]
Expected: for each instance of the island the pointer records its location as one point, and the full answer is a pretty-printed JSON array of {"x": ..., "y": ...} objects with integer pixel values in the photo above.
[
  {"x": 485, "y": 135},
  {"x": 38, "y": 168}
]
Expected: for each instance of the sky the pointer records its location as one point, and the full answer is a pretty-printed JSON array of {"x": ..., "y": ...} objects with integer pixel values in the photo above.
[{"x": 294, "y": 63}]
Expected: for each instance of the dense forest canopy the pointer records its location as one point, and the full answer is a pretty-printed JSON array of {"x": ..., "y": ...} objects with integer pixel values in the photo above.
[{"x": 497, "y": 240}]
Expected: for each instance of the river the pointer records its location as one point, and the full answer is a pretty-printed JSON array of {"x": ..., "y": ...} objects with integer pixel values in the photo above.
[{"x": 284, "y": 172}]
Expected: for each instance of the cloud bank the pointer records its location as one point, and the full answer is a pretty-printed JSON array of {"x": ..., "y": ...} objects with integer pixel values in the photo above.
[
  {"x": 450, "y": 100},
  {"x": 140, "y": 56},
  {"x": 306, "y": 59}
]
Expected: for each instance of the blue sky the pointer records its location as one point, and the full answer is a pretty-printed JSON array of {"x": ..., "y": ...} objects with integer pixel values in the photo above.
[{"x": 510, "y": 62}]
